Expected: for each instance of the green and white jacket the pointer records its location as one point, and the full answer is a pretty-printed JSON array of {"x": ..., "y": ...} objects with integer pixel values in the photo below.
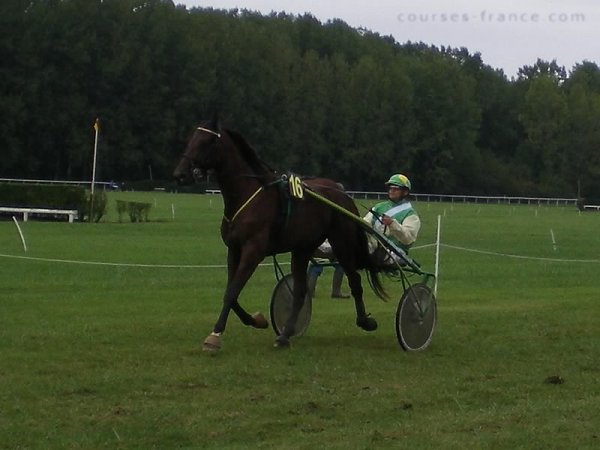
[{"x": 405, "y": 224}]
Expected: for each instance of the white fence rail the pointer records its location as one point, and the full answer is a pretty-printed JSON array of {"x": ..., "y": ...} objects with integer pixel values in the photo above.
[
  {"x": 106, "y": 185},
  {"x": 472, "y": 198},
  {"x": 370, "y": 194}
]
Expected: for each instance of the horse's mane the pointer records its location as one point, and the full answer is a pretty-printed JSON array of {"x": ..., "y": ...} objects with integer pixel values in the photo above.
[{"x": 250, "y": 155}]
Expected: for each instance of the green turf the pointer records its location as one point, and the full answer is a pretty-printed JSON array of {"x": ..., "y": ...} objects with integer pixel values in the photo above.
[{"x": 108, "y": 356}]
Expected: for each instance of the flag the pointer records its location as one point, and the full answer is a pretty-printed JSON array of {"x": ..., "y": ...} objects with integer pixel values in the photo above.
[{"x": 97, "y": 125}]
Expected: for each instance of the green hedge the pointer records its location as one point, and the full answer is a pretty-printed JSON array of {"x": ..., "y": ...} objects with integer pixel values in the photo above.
[
  {"x": 137, "y": 211},
  {"x": 42, "y": 196},
  {"x": 99, "y": 206},
  {"x": 53, "y": 197}
]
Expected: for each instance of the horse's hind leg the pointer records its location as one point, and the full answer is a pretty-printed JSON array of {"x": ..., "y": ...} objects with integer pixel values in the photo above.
[
  {"x": 362, "y": 318},
  {"x": 299, "y": 266},
  {"x": 346, "y": 259}
]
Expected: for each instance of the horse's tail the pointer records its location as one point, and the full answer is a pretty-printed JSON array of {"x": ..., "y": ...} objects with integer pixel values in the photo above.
[{"x": 367, "y": 262}]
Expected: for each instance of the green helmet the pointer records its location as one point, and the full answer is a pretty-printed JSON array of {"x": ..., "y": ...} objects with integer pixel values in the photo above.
[{"x": 399, "y": 180}]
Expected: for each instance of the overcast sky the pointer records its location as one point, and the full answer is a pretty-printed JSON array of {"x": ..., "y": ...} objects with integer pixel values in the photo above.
[{"x": 509, "y": 34}]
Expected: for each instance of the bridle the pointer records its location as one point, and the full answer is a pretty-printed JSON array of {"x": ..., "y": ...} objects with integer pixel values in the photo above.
[
  {"x": 208, "y": 130},
  {"x": 197, "y": 172}
]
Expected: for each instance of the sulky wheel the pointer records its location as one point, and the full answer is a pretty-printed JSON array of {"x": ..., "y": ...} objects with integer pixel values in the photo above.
[
  {"x": 281, "y": 307},
  {"x": 416, "y": 318}
]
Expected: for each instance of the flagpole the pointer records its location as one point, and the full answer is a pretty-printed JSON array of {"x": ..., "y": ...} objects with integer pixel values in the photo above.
[{"x": 97, "y": 130}]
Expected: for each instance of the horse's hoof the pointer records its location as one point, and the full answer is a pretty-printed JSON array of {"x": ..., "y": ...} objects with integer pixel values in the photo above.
[
  {"x": 212, "y": 343},
  {"x": 260, "y": 321},
  {"x": 282, "y": 341},
  {"x": 367, "y": 323}
]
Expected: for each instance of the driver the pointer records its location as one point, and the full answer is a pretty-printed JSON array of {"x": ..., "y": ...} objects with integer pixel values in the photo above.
[{"x": 395, "y": 217}]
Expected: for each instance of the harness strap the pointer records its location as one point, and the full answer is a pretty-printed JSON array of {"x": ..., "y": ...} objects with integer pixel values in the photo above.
[
  {"x": 241, "y": 208},
  {"x": 247, "y": 202}
]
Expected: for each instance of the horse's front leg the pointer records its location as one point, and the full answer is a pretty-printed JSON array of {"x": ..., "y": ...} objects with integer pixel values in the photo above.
[
  {"x": 256, "y": 320},
  {"x": 241, "y": 265},
  {"x": 299, "y": 267}
]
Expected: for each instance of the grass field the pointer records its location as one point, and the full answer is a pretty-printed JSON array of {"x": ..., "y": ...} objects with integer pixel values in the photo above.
[{"x": 108, "y": 355}]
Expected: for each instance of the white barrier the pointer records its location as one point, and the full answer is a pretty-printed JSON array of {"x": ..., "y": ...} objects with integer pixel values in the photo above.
[{"x": 72, "y": 213}]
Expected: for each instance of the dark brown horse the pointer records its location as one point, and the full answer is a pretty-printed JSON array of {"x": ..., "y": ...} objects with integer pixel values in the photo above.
[{"x": 259, "y": 221}]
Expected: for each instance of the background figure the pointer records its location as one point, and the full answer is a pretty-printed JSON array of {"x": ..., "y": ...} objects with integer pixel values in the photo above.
[{"x": 315, "y": 270}]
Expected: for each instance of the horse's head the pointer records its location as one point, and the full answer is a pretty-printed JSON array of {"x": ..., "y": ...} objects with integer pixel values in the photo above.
[{"x": 200, "y": 154}]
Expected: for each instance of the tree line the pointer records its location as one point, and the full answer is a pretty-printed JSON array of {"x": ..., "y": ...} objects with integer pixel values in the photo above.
[{"x": 312, "y": 97}]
